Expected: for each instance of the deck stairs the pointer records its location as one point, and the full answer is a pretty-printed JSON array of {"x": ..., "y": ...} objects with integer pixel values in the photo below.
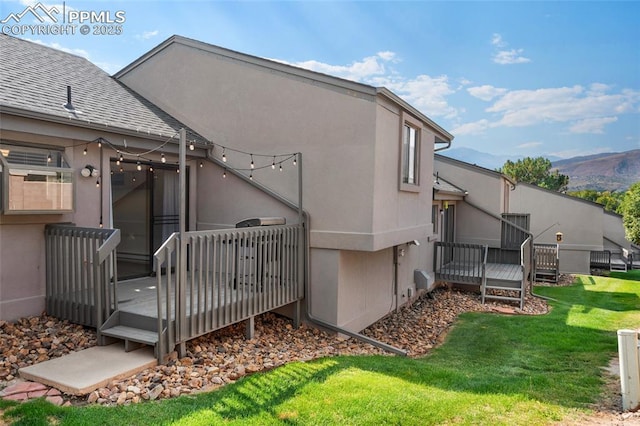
[
  {"x": 501, "y": 284},
  {"x": 132, "y": 328}
]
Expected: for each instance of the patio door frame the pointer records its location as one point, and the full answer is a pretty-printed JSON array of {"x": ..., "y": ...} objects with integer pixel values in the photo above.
[{"x": 148, "y": 208}]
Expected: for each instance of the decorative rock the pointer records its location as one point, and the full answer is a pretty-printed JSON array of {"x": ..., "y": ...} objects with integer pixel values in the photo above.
[
  {"x": 56, "y": 400},
  {"x": 155, "y": 392},
  {"x": 93, "y": 397}
]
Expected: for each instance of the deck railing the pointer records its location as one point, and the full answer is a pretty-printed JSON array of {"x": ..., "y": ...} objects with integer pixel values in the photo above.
[
  {"x": 231, "y": 275},
  {"x": 81, "y": 273},
  {"x": 463, "y": 263},
  {"x": 600, "y": 259}
]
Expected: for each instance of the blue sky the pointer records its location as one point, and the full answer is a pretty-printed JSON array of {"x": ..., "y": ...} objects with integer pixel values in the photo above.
[{"x": 514, "y": 78}]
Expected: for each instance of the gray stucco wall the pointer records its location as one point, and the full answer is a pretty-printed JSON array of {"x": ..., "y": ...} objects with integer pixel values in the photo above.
[{"x": 350, "y": 140}]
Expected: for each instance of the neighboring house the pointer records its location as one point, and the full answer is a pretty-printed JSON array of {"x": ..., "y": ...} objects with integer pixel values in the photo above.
[
  {"x": 61, "y": 116},
  {"x": 585, "y": 226},
  {"x": 367, "y": 165},
  {"x": 365, "y": 173}
]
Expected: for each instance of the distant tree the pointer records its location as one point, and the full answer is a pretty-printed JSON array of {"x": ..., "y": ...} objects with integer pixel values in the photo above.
[
  {"x": 609, "y": 200},
  {"x": 630, "y": 210},
  {"x": 536, "y": 171}
]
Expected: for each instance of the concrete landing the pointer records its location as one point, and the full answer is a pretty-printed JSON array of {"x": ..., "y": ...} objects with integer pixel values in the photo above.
[{"x": 82, "y": 372}]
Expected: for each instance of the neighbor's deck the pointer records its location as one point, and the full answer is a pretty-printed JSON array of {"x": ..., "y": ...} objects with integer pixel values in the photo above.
[{"x": 471, "y": 273}]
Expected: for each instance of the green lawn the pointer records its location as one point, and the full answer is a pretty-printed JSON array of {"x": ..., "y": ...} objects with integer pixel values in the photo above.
[{"x": 492, "y": 369}]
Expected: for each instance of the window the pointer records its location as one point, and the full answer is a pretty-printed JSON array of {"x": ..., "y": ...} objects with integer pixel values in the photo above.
[
  {"x": 410, "y": 154},
  {"x": 35, "y": 180}
]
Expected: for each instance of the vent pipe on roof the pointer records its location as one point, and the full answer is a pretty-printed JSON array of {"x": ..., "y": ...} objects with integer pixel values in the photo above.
[{"x": 68, "y": 105}]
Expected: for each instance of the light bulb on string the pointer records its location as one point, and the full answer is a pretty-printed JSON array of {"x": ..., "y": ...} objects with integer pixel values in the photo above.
[
  {"x": 49, "y": 158},
  {"x": 295, "y": 161},
  {"x": 201, "y": 164},
  {"x": 121, "y": 158},
  {"x": 138, "y": 166},
  {"x": 224, "y": 156},
  {"x": 253, "y": 166},
  {"x": 84, "y": 152},
  {"x": 99, "y": 143},
  {"x": 151, "y": 169},
  {"x": 178, "y": 171},
  {"x": 224, "y": 174},
  {"x": 251, "y": 176},
  {"x": 162, "y": 157},
  {"x": 280, "y": 166},
  {"x": 98, "y": 183},
  {"x": 191, "y": 146},
  {"x": 118, "y": 162},
  {"x": 121, "y": 169},
  {"x": 273, "y": 164}
]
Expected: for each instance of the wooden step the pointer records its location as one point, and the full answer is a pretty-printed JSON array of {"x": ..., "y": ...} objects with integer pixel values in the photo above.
[
  {"x": 132, "y": 334},
  {"x": 498, "y": 287},
  {"x": 513, "y": 299}
]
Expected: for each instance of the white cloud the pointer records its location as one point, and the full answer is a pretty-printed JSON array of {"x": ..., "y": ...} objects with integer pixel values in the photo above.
[
  {"x": 486, "y": 92},
  {"x": 426, "y": 93},
  {"x": 147, "y": 35},
  {"x": 504, "y": 56},
  {"x": 496, "y": 40},
  {"x": 563, "y": 104},
  {"x": 592, "y": 125},
  {"x": 529, "y": 145},
  {"x": 586, "y": 111},
  {"x": 474, "y": 128},
  {"x": 513, "y": 56},
  {"x": 358, "y": 71}
]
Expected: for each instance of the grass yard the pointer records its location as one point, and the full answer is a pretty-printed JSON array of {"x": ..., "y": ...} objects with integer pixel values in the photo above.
[{"x": 492, "y": 369}]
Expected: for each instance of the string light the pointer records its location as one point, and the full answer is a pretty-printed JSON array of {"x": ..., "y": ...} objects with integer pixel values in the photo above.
[
  {"x": 280, "y": 166},
  {"x": 294, "y": 160},
  {"x": 49, "y": 158},
  {"x": 98, "y": 183},
  {"x": 85, "y": 151},
  {"x": 99, "y": 143},
  {"x": 273, "y": 164},
  {"x": 121, "y": 158},
  {"x": 224, "y": 156},
  {"x": 201, "y": 164},
  {"x": 253, "y": 166},
  {"x": 162, "y": 158},
  {"x": 250, "y": 176},
  {"x": 151, "y": 169},
  {"x": 191, "y": 146},
  {"x": 224, "y": 174},
  {"x": 138, "y": 166}
]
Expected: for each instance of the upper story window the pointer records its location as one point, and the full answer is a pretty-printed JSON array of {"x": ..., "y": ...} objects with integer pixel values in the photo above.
[
  {"x": 34, "y": 180},
  {"x": 410, "y": 154}
]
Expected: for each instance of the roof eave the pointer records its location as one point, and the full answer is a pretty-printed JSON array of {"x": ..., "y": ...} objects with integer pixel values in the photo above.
[{"x": 19, "y": 112}]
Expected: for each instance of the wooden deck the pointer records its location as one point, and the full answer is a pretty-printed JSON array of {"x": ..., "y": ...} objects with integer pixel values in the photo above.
[
  {"x": 465, "y": 273},
  {"x": 503, "y": 272},
  {"x": 139, "y": 296}
]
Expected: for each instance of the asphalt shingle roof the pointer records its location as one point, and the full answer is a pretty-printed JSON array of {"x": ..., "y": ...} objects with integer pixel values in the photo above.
[{"x": 34, "y": 78}]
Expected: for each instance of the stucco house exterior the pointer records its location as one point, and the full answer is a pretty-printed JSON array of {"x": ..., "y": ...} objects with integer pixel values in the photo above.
[
  {"x": 265, "y": 140},
  {"x": 367, "y": 168},
  {"x": 585, "y": 226},
  {"x": 64, "y": 123}
]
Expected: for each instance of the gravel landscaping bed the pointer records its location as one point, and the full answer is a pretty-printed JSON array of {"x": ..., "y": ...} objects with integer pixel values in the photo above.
[{"x": 224, "y": 356}]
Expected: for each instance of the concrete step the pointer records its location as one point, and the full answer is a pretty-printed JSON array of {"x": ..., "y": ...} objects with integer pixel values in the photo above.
[{"x": 81, "y": 372}]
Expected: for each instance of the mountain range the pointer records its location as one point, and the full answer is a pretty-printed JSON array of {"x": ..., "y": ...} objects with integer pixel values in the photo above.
[{"x": 612, "y": 171}]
